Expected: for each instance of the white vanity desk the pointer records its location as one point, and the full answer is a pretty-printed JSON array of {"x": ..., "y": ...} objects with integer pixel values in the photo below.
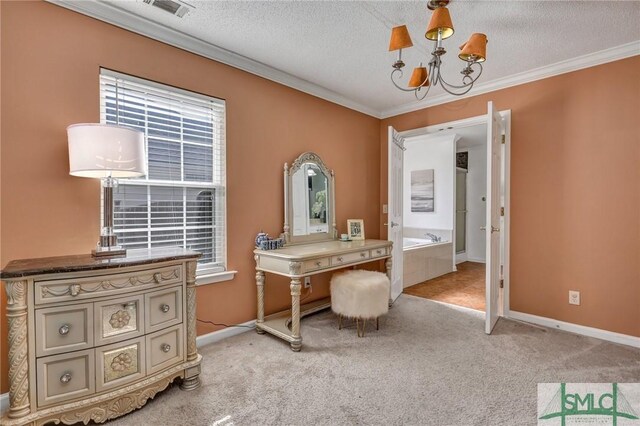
[
  {"x": 299, "y": 261},
  {"x": 309, "y": 205}
]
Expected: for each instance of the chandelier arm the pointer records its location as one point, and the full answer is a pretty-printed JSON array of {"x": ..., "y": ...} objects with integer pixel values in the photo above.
[
  {"x": 394, "y": 82},
  {"x": 464, "y": 86},
  {"x": 425, "y": 93}
]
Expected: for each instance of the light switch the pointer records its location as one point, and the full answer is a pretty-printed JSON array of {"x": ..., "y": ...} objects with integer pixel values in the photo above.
[{"x": 385, "y": 208}]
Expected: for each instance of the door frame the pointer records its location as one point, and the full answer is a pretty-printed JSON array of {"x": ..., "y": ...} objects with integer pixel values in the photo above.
[{"x": 451, "y": 126}]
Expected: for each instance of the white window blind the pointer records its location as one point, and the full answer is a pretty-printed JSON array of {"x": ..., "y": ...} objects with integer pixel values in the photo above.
[{"x": 181, "y": 201}]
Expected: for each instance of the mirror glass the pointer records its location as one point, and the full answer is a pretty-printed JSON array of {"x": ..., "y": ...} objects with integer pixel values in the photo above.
[
  {"x": 309, "y": 206},
  {"x": 310, "y": 201}
]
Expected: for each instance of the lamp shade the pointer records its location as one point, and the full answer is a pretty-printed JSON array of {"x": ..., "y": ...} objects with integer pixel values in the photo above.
[
  {"x": 439, "y": 20},
  {"x": 400, "y": 38},
  {"x": 475, "y": 49},
  {"x": 101, "y": 150},
  {"x": 419, "y": 77}
]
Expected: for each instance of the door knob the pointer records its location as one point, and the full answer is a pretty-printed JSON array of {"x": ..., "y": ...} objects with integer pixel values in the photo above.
[
  {"x": 494, "y": 229},
  {"x": 392, "y": 224}
]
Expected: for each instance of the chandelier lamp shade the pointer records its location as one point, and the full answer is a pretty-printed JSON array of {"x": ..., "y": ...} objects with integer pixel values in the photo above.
[
  {"x": 106, "y": 152},
  {"x": 473, "y": 52}
]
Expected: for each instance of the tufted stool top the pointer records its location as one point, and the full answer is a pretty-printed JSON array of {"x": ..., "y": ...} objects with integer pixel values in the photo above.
[{"x": 360, "y": 294}]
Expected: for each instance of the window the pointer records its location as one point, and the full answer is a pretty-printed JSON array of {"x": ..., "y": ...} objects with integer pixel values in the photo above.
[{"x": 181, "y": 201}]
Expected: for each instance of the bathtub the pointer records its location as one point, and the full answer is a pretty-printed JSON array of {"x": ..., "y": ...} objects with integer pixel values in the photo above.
[
  {"x": 414, "y": 243},
  {"x": 424, "y": 259}
]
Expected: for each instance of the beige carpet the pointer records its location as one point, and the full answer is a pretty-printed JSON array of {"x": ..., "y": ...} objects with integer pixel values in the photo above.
[{"x": 430, "y": 364}]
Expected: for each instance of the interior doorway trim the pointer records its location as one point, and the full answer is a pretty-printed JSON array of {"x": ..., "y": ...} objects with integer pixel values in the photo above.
[{"x": 451, "y": 126}]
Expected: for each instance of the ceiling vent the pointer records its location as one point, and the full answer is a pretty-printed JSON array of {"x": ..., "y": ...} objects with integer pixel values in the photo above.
[{"x": 174, "y": 7}]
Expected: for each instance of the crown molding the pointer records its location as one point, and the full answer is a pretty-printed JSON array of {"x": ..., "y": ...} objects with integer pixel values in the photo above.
[
  {"x": 562, "y": 67},
  {"x": 113, "y": 15}
]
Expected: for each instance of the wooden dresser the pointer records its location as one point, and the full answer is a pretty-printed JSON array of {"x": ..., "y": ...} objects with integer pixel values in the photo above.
[{"x": 93, "y": 339}]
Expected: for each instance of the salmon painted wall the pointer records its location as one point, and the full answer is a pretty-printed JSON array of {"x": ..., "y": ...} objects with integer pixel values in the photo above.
[
  {"x": 50, "y": 68},
  {"x": 575, "y": 191}
]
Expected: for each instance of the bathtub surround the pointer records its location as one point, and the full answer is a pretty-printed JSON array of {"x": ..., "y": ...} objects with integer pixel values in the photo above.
[
  {"x": 444, "y": 235},
  {"x": 422, "y": 262}
]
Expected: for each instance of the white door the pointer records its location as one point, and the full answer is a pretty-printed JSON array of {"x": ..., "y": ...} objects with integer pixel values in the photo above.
[
  {"x": 394, "y": 220},
  {"x": 494, "y": 139}
]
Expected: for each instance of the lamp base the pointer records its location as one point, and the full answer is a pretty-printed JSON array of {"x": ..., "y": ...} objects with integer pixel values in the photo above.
[{"x": 111, "y": 251}]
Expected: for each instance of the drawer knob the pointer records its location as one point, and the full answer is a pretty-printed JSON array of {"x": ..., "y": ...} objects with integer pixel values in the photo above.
[
  {"x": 157, "y": 277},
  {"x": 362, "y": 255},
  {"x": 340, "y": 259},
  {"x": 318, "y": 264},
  {"x": 379, "y": 251},
  {"x": 165, "y": 347},
  {"x": 164, "y": 308},
  {"x": 65, "y": 378},
  {"x": 64, "y": 330}
]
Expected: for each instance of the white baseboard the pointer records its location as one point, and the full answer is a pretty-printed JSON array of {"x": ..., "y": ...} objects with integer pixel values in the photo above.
[
  {"x": 610, "y": 336},
  {"x": 4, "y": 403},
  {"x": 475, "y": 260},
  {"x": 225, "y": 333}
]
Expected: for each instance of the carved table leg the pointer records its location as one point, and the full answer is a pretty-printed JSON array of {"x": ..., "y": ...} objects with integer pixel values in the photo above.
[
  {"x": 260, "y": 288},
  {"x": 18, "y": 350},
  {"x": 192, "y": 375},
  {"x": 295, "y": 286}
]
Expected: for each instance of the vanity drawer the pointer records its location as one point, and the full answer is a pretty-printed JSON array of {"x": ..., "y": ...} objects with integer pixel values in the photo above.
[
  {"x": 314, "y": 265},
  {"x": 349, "y": 258},
  {"x": 118, "y": 319},
  {"x": 64, "y": 377},
  {"x": 64, "y": 329},
  {"x": 120, "y": 363},
  {"x": 49, "y": 291},
  {"x": 163, "y": 308},
  {"x": 164, "y": 349},
  {"x": 379, "y": 252}
]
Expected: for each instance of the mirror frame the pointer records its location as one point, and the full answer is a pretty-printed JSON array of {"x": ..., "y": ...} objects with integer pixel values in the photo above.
[{"x": 308, "y": 157}]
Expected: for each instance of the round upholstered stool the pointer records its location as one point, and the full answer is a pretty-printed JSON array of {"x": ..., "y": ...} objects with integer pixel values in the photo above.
[{"x": 360, "y": 295}]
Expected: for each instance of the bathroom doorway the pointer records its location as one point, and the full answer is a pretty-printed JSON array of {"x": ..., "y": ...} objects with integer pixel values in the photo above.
[{"x": 453, "y": 242}]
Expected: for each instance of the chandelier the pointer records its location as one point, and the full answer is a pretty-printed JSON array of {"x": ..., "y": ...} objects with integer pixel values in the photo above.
[{"x": 473, "y": 53}]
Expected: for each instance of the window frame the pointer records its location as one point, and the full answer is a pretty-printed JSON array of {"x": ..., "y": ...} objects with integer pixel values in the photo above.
[{"x": 210, "y": 272}]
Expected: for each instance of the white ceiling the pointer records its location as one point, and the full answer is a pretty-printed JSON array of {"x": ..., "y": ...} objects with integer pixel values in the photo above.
[{"x": 342, "y": 45}]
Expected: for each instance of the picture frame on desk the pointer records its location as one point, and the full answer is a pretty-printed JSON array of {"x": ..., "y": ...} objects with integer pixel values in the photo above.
[{"x": 355, "y": 229}]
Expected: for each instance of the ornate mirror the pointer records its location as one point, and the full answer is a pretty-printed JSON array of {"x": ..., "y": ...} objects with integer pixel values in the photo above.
[{"x": 309, "y": 203}]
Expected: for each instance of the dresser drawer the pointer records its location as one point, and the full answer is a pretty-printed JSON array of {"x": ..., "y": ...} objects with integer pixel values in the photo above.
[
  {"x": 383, "y": 251},
  {"x": 64, "y": 329},
  {"x": 120, "y": 363},
  {"x": 64, "y": 377},
  {"x": 49, "y": 291},
  {"x": 163, "y": 308},
  {"x": 118, "y": 319},
  {"x": 164, "y": 349},
  {"x": 314, "y": 265},
  {"x": 349, "y": 258}
]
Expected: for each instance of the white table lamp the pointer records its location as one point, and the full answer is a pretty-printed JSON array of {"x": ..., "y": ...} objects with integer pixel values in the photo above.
[{"x": 106, "y": 152}]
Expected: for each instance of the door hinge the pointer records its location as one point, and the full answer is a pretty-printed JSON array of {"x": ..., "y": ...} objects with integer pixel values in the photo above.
[
  {"x": 503, "y": 138},
  {"x": 501, "y": 283},
  {"x": 501, "y": 211}
]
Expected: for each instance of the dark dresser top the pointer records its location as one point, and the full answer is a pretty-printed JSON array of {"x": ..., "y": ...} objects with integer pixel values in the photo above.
[{"x": 86, "y": 262}]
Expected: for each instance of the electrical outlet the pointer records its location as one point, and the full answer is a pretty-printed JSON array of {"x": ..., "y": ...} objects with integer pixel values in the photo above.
[
  {"x": 574, "y": 297},
  {"x": 307, "y": 282},
  {"x": 385, "y": 209}
]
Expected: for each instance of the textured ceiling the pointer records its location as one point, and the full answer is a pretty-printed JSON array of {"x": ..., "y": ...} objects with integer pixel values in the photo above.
[{"x": 342, "y": 46}]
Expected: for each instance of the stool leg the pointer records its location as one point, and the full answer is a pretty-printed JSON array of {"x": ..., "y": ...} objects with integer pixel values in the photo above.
[
  {"x": 364, "y": 326},
  {"x": 358, "y": 327},
  {"x": 377, "y": 323},
  {"x": 339, "y": 322}
]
